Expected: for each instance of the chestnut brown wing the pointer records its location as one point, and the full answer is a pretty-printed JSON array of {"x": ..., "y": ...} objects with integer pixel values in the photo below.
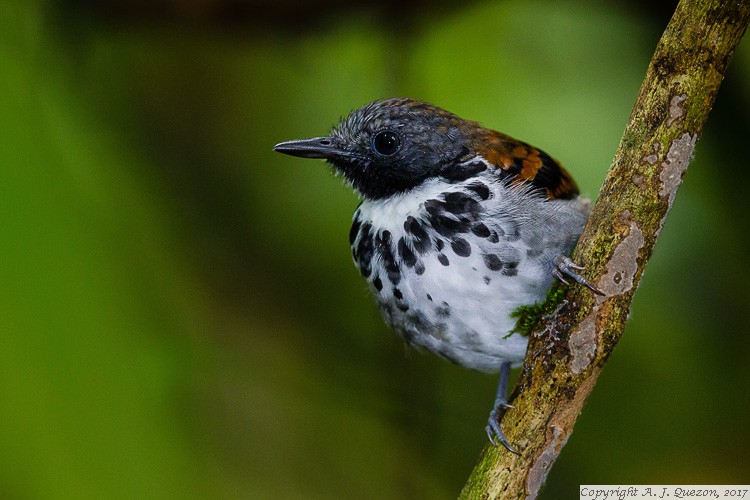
[{"x": 525, "y": 163}]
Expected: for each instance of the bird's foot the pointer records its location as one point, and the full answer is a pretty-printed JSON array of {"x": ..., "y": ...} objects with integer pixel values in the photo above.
[
  {"x": 564, "y": 266},
  {"x": 494, "y": 432}
]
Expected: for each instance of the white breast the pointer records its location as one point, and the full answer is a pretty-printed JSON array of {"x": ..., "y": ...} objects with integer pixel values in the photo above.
[{"x": 457, "y": 299}]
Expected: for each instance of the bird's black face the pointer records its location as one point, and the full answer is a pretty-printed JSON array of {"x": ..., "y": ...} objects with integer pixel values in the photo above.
[{"x": 388, "y": 147}]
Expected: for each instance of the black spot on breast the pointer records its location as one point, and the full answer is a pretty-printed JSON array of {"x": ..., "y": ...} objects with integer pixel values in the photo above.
[
  {"x": 443, "y": 259},
  {"x": 458, "y": 198},
  {"x": 406, "y": 254},
  {"x": 510, "y": 271},
  {"x": 429, "y": 297},
  {"x": 377, "y": 283},
  {"x": 507, "y": 259},
  {"x": 402, "y": 307},
  {"x": 384, "y": 239},
  {"x": 434, "y": 207},
  {"x": 493, "y": 238},
  {"x": 419, "y": 268},
  {"x": 383, "y": 247},
  {"x": 447, "y": 226},
  {"x": 493, "y": 262},
  {"x": 354, "y": 230},
  {"x": 480, "y": 230},
  {"x": 457, "y": 202},
  {"x": 393, "y": 272},
  {"x": 365, "y": 269},
  {"x": 439, "y": 244},
  {"x": 421, "y": 239},
  {"x": 480, "y": 189},
  {"x": 458, "y": 172},
  {"x": 461, "y": 247},
  {"x": 510, "y": 268},
  {"x": 397, "y": 293},
  {"x": 487, "y": 280},
  {"x": 364, "y": 251}
]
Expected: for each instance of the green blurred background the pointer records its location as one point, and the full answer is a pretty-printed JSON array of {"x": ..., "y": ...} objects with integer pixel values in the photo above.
[{"x": 179, "y": 314}]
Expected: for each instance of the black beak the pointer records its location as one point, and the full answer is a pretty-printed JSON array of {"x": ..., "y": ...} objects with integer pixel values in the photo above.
[{"x": 317, "y": 147}]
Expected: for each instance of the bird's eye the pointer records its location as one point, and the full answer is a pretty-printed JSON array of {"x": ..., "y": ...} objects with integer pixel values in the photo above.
[{"x": 385, "y": 143}]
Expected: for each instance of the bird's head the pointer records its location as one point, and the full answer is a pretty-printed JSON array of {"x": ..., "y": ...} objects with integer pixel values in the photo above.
[{"x": 390, "y": 146}]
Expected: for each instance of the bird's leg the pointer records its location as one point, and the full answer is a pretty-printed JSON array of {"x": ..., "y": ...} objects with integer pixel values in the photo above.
[
  {"x": 494, "y": 432},
  {"x": 564, "y": 266}
]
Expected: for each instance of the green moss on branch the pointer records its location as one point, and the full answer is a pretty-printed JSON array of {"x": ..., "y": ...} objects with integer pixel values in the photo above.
[{"x": 530, "y": 316}]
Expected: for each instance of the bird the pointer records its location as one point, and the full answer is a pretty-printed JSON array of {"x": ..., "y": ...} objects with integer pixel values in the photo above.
[{"x": 458, "y": 226}]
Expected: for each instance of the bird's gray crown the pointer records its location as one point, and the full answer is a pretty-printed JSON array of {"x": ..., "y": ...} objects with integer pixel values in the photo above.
[{"x": 389, "y": 146}]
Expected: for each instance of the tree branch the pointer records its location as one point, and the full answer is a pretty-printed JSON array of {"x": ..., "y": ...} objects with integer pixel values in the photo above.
[{"x": 568, "y": 349}]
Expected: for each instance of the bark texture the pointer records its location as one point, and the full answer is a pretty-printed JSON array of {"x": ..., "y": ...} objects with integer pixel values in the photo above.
[{"x": 568, "y": 349}]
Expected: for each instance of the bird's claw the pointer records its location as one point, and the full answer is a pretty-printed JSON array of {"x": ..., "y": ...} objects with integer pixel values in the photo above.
[
  {"x": 494, "y": 432},
  {"x": 564, "y": 266}
]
